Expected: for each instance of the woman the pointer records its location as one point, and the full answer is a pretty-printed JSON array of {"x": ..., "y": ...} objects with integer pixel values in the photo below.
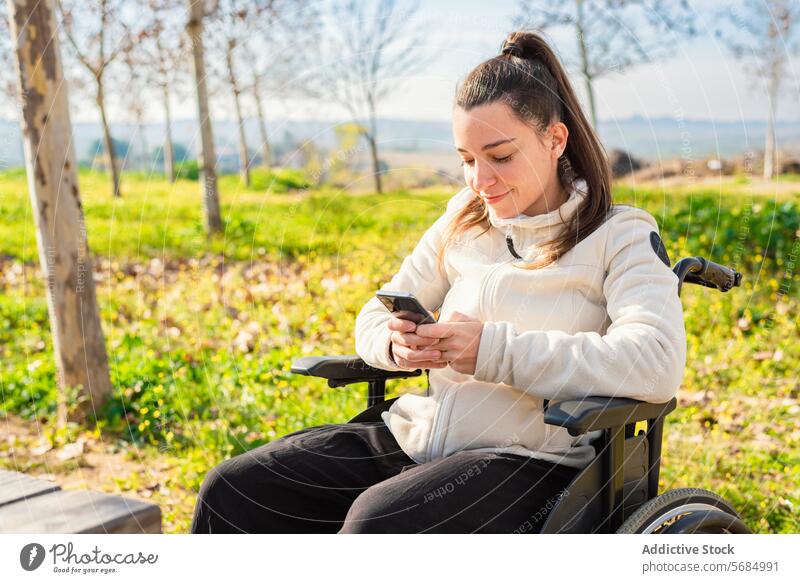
[{"x": 545, "y": 289}]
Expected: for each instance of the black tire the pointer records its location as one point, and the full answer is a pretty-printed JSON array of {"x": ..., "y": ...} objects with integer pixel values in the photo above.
[{"x": 657, "y": 514}]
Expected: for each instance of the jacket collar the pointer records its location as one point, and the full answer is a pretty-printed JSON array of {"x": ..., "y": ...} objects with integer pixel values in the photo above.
[
  {"x": 544, "y": 222},
  {"x": 524, "y": 234}
]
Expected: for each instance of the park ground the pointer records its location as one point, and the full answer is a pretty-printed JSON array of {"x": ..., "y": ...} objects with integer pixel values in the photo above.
[{"x": 201, "y": 332}]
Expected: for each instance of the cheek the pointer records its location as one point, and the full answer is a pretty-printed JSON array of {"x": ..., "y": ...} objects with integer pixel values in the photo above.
[
  {"x": 514, "y": 172},
  {"x": 525, "y": 174}
]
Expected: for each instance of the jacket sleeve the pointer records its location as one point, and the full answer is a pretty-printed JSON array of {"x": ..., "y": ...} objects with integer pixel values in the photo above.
[
  {"x": 642, "y": 355},
  {"x": 420, "y": 275}
]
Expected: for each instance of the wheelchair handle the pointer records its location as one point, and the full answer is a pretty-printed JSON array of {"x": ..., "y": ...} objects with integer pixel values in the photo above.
[{"x": 701, "y": 271}]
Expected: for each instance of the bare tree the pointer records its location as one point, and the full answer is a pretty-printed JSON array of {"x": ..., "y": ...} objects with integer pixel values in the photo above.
[
  {"x": 97, "y": 33},
  {"x": 64, "y": 253},
  {"x": 135, "y": 99},
  {"x": 8, "y": 85},
  {"x": 257, "y": 89},
  {"x": 275, "y": 58},
  {"x": 612, "y": 36},
  {"x": 230, "y": 25},
  {"x": 198, "y": 10},
  {"x": 162, "y": 52},
  {"x": 375, "y": 45},
  {"x": 763, "y": 34}
]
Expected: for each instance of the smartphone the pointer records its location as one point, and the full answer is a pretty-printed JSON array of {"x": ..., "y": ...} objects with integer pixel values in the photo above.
[{"x": 406, "y": 306}]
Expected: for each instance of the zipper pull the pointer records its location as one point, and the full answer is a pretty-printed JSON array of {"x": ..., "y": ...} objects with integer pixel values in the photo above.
[{"x": 510, "y": 245}]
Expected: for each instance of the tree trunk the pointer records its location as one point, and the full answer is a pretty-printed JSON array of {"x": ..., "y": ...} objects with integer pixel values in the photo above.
[
  {"x": 169, "y": 155},
  {"x": 208, "y": 157},
  {"x": 769, "y": 143},
  {"x": 585, "y": 68},
  {"x": 244, "y": 157},
  {"x": 64, "y": 254},
  {"x": 372, "y": 138},
  {"x": 262, "y": 127},
  {"x": 110, "y": 154},
  {"x": 143, "y": 140},
  {"x": 373, "y": 148}
]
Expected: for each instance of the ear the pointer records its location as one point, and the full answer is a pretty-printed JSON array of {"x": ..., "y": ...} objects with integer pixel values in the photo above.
[{"x": 558, "y": 139}]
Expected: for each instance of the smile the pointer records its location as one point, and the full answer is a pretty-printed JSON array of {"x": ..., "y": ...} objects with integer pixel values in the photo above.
[{"x": 494, "y": 199}]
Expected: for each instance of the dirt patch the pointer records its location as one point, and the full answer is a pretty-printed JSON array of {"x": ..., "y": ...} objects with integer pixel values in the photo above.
[{"x": 92, "y": 463}]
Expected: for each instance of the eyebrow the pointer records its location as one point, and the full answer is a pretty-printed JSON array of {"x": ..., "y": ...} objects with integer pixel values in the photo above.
[{"x": 492, "y": 145}]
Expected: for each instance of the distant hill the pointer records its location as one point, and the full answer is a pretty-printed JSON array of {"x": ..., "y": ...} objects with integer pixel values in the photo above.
[{"x": 649, "y": 138}]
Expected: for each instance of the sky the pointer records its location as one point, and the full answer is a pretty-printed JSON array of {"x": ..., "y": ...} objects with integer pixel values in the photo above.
[{"x": 700, "y": 80}]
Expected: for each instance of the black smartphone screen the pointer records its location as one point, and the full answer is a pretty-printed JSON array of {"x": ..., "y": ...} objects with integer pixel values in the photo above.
[{"x": 405, "y": 305}]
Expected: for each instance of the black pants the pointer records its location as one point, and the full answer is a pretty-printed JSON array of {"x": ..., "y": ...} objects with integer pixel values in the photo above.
[{"x": 355, "y": 478}]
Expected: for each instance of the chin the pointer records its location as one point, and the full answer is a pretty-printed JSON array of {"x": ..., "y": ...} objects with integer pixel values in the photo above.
[
  {"x": 507, "y": 211},
  {"x": 506, "y": 214}
]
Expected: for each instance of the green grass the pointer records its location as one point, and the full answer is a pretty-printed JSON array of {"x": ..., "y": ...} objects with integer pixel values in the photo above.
[
  {"x": 156, "y": 219},
  {"x": 201, "y": 333}
]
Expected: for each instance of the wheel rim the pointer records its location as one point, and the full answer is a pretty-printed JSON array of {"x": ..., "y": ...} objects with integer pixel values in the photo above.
[{"x": 677, "y": 511}]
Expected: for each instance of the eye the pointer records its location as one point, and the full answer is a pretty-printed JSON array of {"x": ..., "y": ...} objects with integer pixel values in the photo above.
[
  {"x": 467, "y": 162},
  {"x": 503, "y": 159}
]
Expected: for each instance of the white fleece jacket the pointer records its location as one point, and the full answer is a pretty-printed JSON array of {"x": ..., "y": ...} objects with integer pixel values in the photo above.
[{"x": 605, "y": 320}]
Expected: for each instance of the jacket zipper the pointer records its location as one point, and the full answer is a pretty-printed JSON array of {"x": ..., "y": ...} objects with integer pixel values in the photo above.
[
  {"x": 436, "y": 443},
  {"x": 484, "y": 287}
]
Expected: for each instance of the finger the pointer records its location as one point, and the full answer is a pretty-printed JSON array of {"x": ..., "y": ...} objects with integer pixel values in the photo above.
[
  {"x": 445, "y": 344},
  {"x": 434, "y": 330},
  {"x": 411, "y": 339},
  {"x": 420, "y": 355},
  {"x": 417, "y": 355},
  {"x": 421, "y": 364},
  {"x": 401, "y": 325},
  {"x": 449, "y": 355},
  {"x": 432, "y": 364}
]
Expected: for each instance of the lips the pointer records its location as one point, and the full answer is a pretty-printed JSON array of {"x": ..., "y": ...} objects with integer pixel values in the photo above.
[{"x": 494, "y": 199}]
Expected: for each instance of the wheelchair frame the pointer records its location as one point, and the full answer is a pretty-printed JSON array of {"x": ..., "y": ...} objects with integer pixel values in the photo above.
[{"x": 624, "y": 474}]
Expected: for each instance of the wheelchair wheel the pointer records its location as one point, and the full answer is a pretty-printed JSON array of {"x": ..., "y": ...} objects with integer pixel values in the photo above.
[{"x": 685, "y": 511}]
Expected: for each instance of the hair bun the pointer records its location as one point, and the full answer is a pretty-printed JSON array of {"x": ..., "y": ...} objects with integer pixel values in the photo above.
[{"x": 513, "y": 50}]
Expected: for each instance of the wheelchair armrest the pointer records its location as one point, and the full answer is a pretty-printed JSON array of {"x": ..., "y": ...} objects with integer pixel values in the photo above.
[
  {"x": 346, "y": 370},
  {"x": 583, "y": 415}
]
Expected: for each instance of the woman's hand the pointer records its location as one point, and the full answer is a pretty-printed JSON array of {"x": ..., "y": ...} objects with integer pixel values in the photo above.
[
  {"x": 457, "y": 340},
  {"x": 410, "y": 350}
]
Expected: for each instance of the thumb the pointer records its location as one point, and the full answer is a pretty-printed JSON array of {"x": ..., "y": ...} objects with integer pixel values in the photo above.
[{"x": 459, "y": 317}]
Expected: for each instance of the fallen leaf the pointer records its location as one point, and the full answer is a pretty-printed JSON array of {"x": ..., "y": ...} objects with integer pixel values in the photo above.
[{"x": 71, "y": 450}]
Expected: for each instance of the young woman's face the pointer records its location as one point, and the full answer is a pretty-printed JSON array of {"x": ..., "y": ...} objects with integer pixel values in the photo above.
[{"x": 507, "y": 162}]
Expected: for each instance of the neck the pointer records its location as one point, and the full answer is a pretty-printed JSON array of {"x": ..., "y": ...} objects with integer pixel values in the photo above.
[{"x": 553, "y": 197}]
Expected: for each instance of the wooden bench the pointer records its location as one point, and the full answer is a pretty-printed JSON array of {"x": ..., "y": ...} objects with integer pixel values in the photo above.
[{"x": 31, "y": 505}]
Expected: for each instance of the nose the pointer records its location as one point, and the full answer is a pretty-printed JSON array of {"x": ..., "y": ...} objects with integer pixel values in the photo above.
[{"x": 483, "y": 176}]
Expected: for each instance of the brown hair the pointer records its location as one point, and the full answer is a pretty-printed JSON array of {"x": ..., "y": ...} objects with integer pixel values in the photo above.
[{"x": 530, "y": 79}]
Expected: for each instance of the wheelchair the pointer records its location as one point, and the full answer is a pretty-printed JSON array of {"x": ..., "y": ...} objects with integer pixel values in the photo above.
[{"x": 618, "y": 491}]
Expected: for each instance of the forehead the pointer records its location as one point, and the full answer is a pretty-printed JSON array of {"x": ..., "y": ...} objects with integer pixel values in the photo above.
[{"x": 486, "y": 124}]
